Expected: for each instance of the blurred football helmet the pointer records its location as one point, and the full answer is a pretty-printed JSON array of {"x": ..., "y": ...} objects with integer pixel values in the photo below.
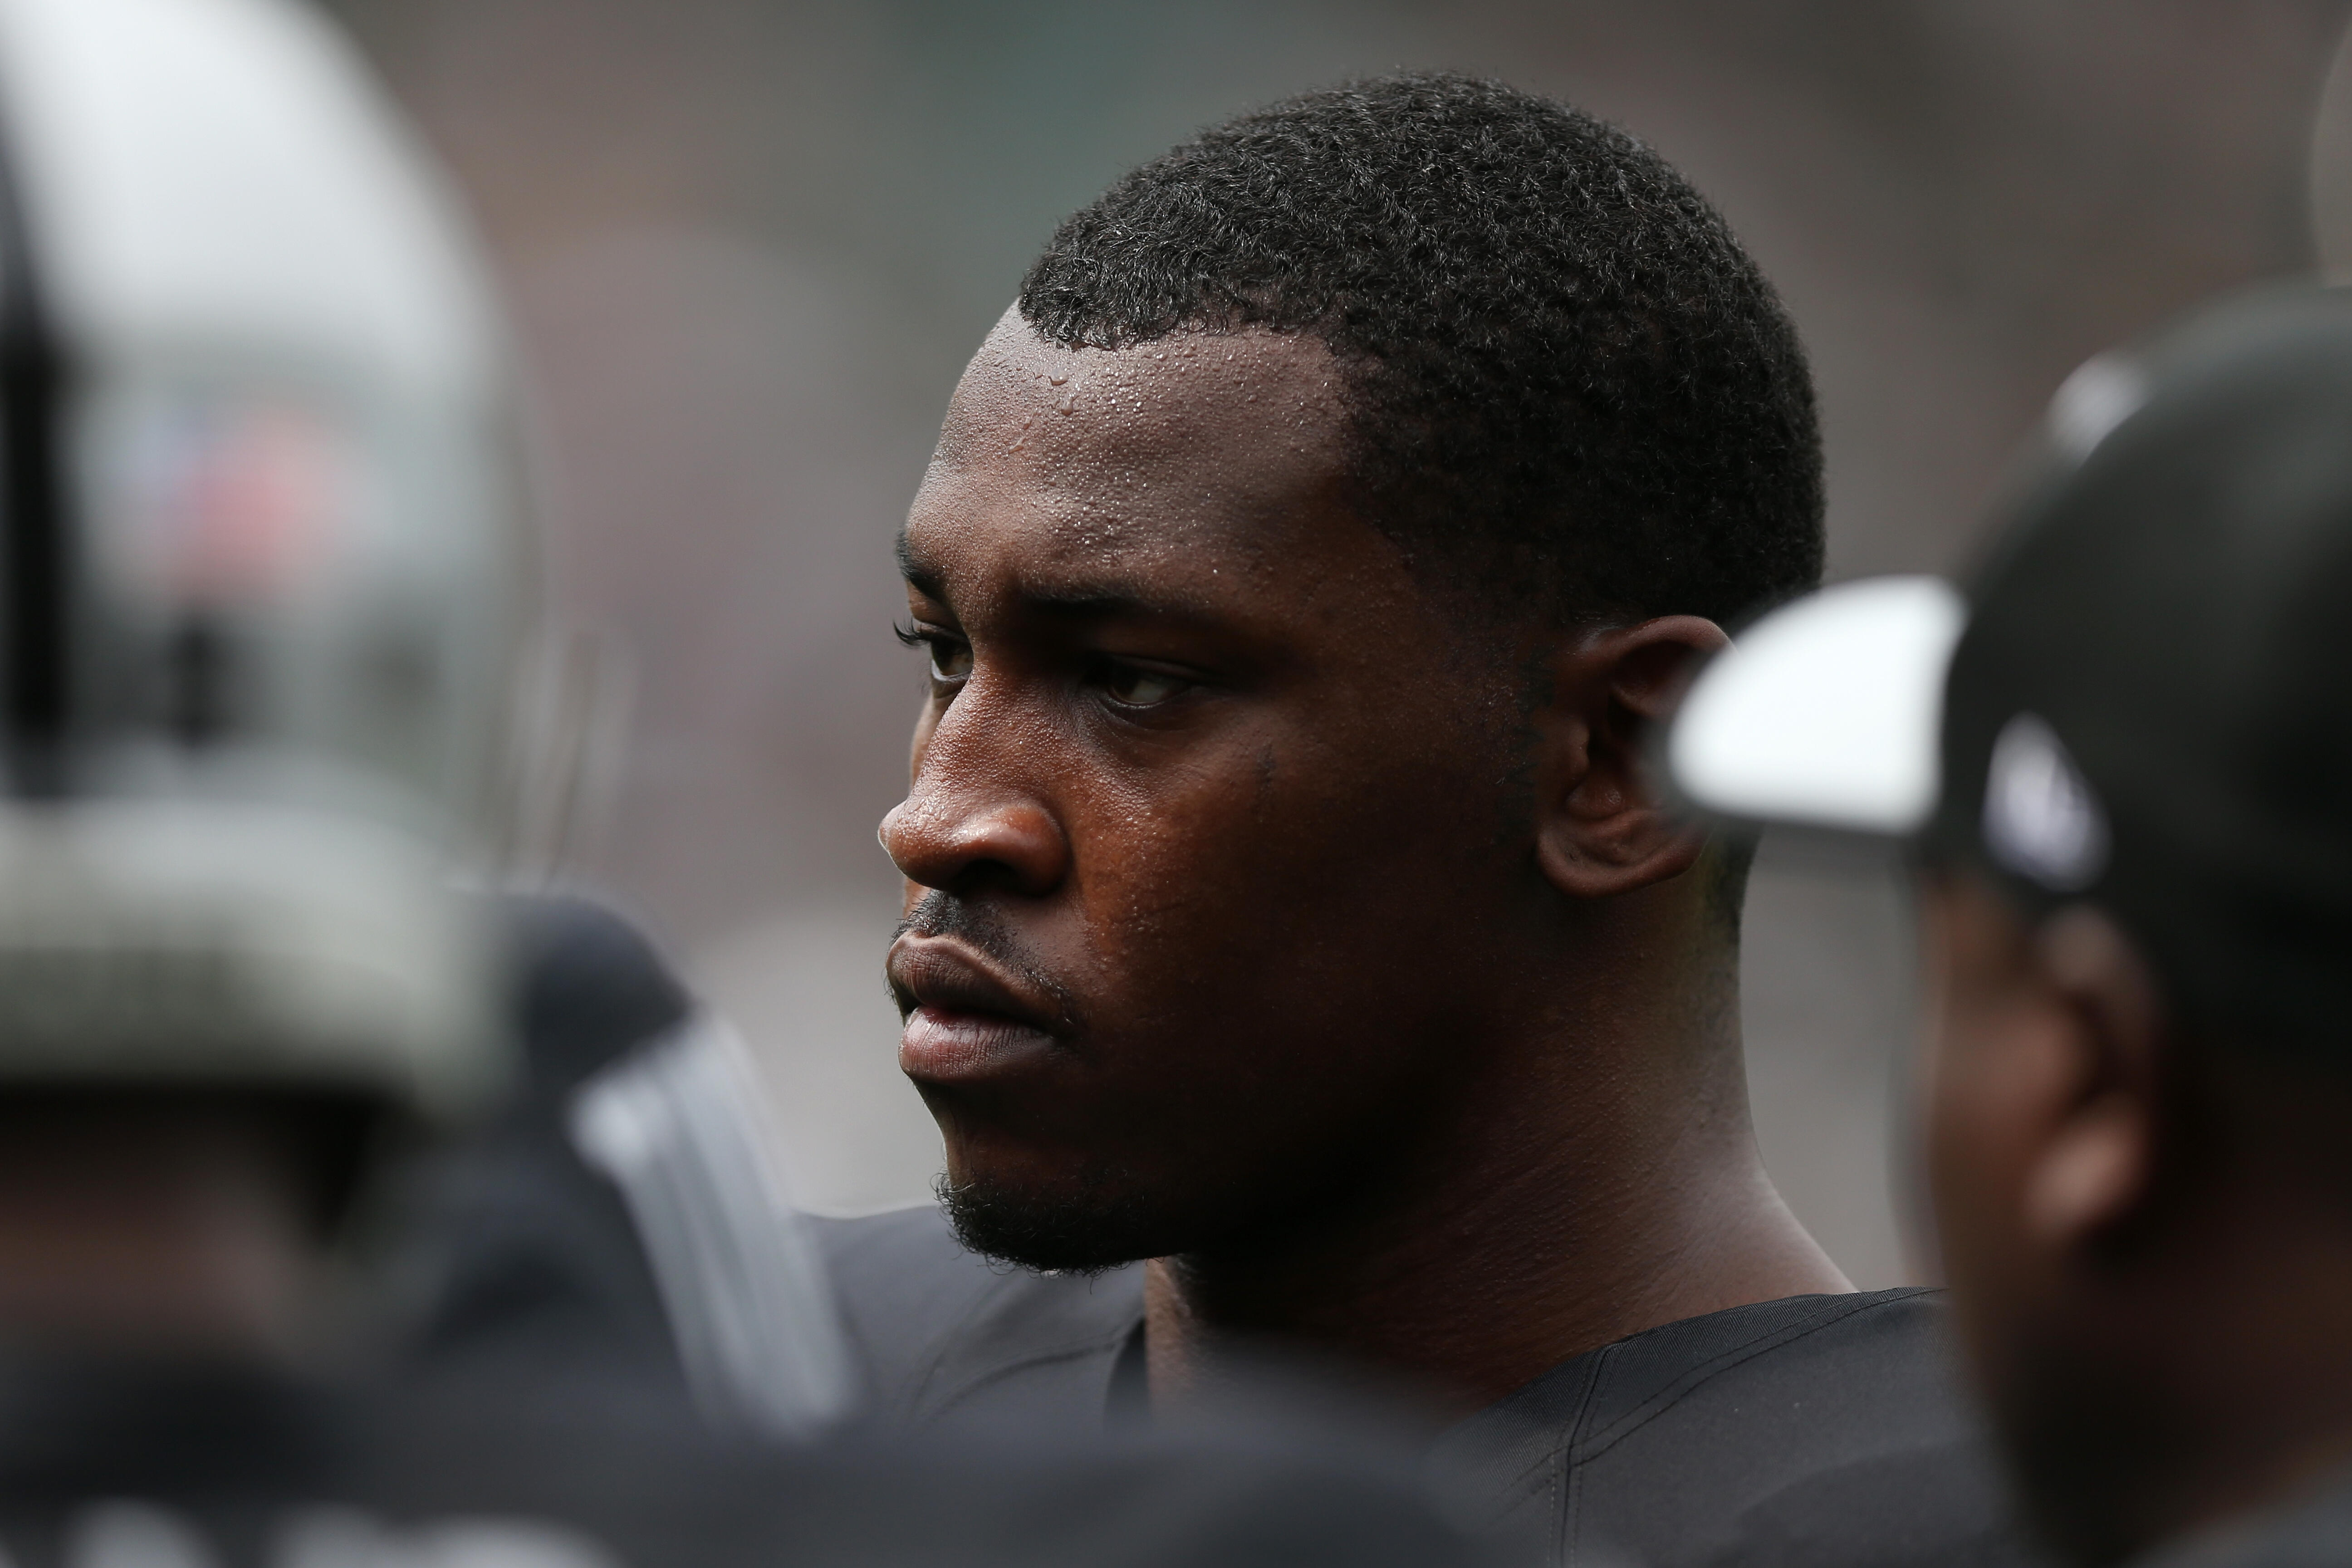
[{"x": 261, "y": 572}]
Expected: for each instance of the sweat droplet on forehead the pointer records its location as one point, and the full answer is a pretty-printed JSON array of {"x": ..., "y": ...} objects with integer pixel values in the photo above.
[
  {"x": 1092, "y": 450},
  {"x": 1182, "y": 472}
]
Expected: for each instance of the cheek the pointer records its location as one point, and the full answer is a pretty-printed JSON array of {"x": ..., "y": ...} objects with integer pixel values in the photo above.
[
  {"x": 1183, "y": 874},
  {"x": 1269, "y": 885}
]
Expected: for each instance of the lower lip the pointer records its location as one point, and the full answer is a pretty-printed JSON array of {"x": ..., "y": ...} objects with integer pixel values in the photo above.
[{"x": 943, "y": 1045}]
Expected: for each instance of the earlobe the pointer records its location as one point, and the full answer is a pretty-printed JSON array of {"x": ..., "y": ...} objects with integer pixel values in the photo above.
[{"x": 1605, "y": 824}]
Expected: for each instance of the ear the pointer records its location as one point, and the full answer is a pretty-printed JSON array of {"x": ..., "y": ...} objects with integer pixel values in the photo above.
[
  {"x": 2095, "y": 1164},
  {"x": 1605, "y": 825}
]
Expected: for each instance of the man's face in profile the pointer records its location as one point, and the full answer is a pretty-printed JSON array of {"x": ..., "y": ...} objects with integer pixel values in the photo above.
[{"x": 1208, "y": 802}]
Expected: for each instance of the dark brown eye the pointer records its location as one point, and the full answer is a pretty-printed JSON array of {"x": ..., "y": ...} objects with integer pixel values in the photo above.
[
  {"x": 1138, "y": 688},
  {"x": 951, "y": 660}
]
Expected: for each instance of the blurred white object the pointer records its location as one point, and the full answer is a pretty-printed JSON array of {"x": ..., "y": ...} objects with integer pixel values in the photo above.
[
  {"x": 679, "y": 1129},
  {"x": 1826, "y": 712},
  {"x": 261, "y": 565},
  {"x": 2041, "y": 818},
  {"x": 2104, "y": 391}
]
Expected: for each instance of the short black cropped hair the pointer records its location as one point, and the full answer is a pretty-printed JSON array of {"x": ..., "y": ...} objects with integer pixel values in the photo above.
[{"x": 1560, "y": 366}]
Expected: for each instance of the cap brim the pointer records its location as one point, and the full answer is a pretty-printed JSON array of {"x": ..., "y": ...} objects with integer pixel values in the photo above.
[{"x": 1825, "y": 713}]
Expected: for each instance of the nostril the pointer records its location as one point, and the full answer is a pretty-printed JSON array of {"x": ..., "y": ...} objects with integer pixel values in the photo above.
[
  {"x": 978, "y": 876},
  {"x": 939, "y": 844}
]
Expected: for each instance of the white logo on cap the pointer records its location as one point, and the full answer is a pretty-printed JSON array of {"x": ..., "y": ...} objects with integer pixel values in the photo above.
[
  {"x": 2041, "y": 819},
  {"x": 2103, "y": 392}
]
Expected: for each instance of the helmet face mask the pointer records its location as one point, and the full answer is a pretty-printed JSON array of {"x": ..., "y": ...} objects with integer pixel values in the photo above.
[{"x": 260, "y": 571}]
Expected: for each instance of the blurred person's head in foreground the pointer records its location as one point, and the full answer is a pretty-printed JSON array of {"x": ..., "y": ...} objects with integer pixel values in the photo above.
[
  {"x": 2136, "y": 847},
  {"x": 1305, "y": 561},
  {"x": 258, "y": 580}
]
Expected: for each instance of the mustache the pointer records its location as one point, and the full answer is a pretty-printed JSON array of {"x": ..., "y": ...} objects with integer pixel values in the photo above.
[{"x": 988, "y": 933}]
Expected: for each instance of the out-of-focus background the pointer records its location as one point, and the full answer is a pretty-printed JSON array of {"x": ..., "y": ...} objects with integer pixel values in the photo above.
[{"x": 749, "y": 243}]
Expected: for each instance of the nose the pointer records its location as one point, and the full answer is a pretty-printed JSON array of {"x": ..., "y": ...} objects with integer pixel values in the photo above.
[{"x": 942, "y": 837}]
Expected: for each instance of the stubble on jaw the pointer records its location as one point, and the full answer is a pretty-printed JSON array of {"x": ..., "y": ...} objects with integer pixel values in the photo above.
[{"x": 1089, "y": 1226}]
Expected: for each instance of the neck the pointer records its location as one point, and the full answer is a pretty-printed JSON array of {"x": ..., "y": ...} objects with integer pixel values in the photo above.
[
  {"x": 1596, "y": 1177},
  {"x": 160, "y": 1240}
]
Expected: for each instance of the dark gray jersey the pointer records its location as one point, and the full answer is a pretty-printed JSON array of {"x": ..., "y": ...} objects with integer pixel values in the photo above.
[
  {"x": 149, "y": 1465},
  {"x": 1829, "y": 1426}
]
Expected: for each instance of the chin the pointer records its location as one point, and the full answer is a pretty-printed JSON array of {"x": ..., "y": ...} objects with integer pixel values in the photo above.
[{"x": 1099, "y": 1221}]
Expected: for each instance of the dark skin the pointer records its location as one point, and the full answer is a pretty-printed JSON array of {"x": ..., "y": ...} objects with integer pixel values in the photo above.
[
  {"x": 1264, "y": 925},
  {"x": 2149, "y": 1238}
]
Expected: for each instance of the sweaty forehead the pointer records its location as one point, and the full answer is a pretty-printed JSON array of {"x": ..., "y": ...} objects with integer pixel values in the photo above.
[{"x": 1195, "y": 439}]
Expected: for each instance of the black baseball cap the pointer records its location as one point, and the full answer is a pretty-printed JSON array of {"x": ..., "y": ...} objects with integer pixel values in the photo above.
[{"x": 2144, "y": 697}]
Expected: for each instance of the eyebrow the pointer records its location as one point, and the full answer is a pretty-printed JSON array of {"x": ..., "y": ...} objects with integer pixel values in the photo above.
[
  {"x": 1079, "y": 602},
  {"x": 920, "y": 574},
  {"x": 1075, "y": 601}
]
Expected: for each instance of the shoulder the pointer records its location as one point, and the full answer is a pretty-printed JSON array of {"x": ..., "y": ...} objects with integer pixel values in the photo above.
[
  {"x": 943, "y": 1332},
  {"x": 1835, "y": 1420},
  {"x": 1867, "y": 1357}
]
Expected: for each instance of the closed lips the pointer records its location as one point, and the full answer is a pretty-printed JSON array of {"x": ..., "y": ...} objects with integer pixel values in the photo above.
[{"x": 962, "y": 1022}]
